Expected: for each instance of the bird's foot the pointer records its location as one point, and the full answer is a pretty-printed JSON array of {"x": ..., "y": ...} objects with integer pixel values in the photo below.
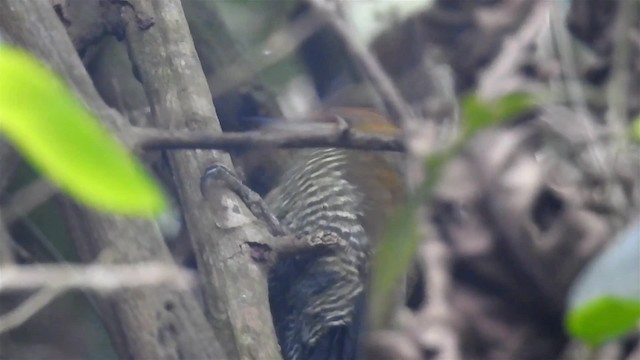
[{"x": 251, "y": 199}]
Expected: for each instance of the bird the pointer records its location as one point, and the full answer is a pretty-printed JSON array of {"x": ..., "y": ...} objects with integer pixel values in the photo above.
[{"x": 318, "y": 297}]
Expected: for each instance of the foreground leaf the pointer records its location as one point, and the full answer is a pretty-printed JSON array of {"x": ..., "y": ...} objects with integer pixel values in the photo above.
[
  {"x": 61, "y": 139},
  {"x": 604, "y": 302},
  {"x": 603, "y": 319}
]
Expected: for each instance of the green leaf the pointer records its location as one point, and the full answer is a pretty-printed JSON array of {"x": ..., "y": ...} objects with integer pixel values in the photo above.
[
  {"x": 476, "y": 115},
  {"x": 635, "y": 130},
  {"x": 61, "y": 139},
  {"x": 512, "y": 105},
  {"x": 399, "y": 243},
  {"x": 479, "y": 115},
  {"x": 391, "y": 260},
  {"x": 603, "y": 319},
  {"x": 604, "y": 301}
]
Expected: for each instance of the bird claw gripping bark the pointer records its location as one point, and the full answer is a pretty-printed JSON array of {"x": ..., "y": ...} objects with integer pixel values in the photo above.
[
  {"x": 251, "y": 199},
  {"x": 325, "y": 239},
  {"x": 285, "y": 244}
]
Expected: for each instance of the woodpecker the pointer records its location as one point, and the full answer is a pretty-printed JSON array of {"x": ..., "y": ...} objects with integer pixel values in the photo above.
[{"x": 318, "y": 298}]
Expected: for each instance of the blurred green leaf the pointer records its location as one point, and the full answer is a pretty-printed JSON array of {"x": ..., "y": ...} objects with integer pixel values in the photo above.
[
  {"x": 635, "y": 130},
  {"x": 478, "y": 115},
  {"x": 393, "y": 255},
  {"x": 61, "y": 139},
  {"x": 399, "y": 244},
  {"x": 603, "y": 319},
  {"x": 512, "y": 105},
  {"x": 604, "y": 301}
]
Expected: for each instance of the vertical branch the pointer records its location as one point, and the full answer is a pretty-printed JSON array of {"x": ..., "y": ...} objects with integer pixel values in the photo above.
[
  {"x": 160, "y": 323},
  {"x": 219, "y": 226}
]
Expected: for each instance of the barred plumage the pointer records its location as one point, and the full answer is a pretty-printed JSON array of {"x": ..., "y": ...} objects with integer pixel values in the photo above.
[
  {"x": 313, "y": 292},
  {"x": 317, "y": 298}
]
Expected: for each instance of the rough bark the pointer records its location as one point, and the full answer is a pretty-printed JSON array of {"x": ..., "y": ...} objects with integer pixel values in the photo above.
[
  {"x": 220, "y": 226},
  {"x": 147, "y": 323}
]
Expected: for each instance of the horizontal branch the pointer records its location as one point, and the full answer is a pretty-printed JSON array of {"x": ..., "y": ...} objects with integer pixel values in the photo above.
[
  {"x": 157, "y": 139},
  {"x": 96, "y": 277}
]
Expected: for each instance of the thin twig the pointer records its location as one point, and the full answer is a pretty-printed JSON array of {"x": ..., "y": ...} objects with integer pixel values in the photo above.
[
  {"x": 54, "y": 280},
  {"x": 367, "y": 60},
  {"x": 41, "y": 240},
  {"x": 573, "y": 86},
  {"x": 33, "y": 195},
  {"x": 27, "y": 199},
  {"x": 155, "y": 139},
  {"x": 619, "y": 84},
  {"x": 55, "y": 255},
  {"x": 96, "y": 277},
  {"x": 502, "y": 76},
  {"x": 28, "y": 309}
]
